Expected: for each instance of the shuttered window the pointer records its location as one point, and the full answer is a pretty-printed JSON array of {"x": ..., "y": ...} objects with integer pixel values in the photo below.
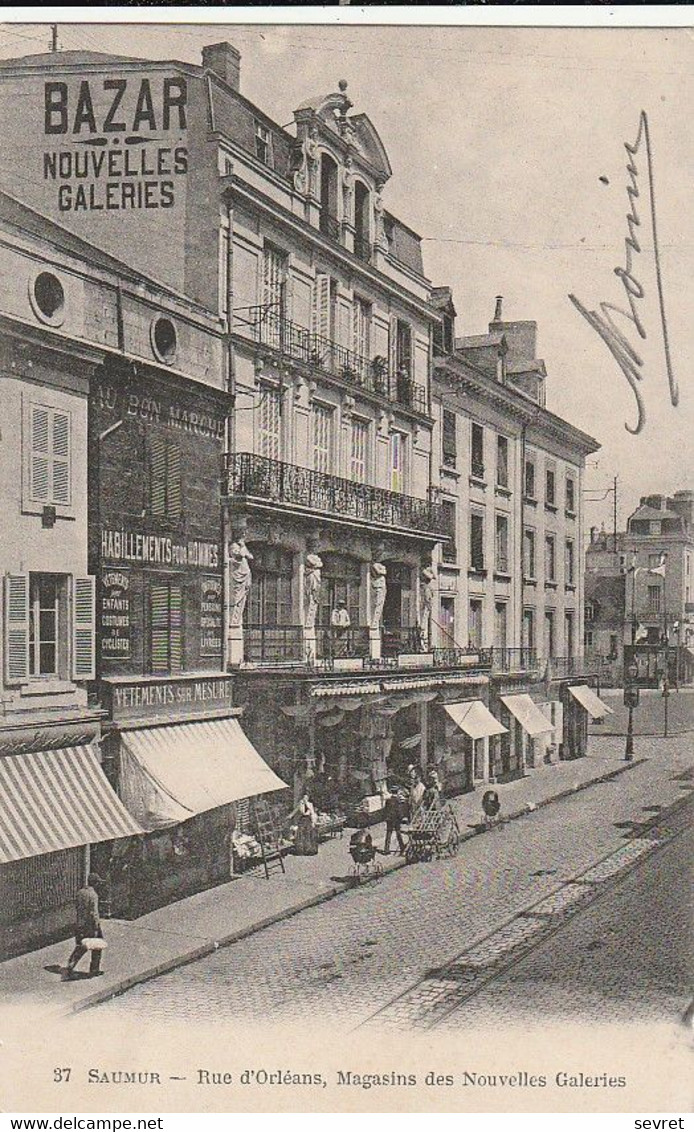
[
  {"x": 398, "y": 462},
  {"x": 165, "y": 489},
  {"x": 83, "y": 635},
  {"x": 166, "y": 628},
  {"x": 270, "y": 424},
  {"x": 323, "y": 295},
  {"x": 359, "y": 451},
  {"x": 361, "y": 328},
  {"x": 275, "y": 270},
  {"x": 322, "y": 438},
  {"x": 49, "y": 457}
]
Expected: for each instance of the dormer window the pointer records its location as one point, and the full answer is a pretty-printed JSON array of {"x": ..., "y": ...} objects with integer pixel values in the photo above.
[
  {"x": 362, "y": 226},
  {"x": 263, "y": 144}
]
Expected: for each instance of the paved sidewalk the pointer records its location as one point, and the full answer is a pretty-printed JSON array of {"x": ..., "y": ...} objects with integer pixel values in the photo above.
[
  {"x": 649, "y": 716},
  {"x": 141, "y": 949}
]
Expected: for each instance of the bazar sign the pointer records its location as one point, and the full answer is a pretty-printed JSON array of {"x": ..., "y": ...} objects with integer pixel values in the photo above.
[
  {"x": 160, "y": 410},
  {"x": 118, "y": 154},
  {"x": 189, "y": 695},
  {"x": 157, "y": 550}
]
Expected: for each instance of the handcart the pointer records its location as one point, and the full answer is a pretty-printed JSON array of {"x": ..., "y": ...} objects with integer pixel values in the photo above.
[
  {"x": 363, "y": 853},
  {"x": 433, "y": 833}
]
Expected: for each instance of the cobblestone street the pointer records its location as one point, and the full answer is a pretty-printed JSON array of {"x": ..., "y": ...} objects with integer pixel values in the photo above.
[{"x": 348, "y": 958}]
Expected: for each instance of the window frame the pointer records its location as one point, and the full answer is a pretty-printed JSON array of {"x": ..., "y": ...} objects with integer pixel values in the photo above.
[
  {"x": 530, "y": 465},
  {"x": 502, "y": 531},
  {"x": 362, "y": 424},
  {"x": 550, "y": 542},
  {"x": 404, "y": 472},
  {"x": 268, "y": 159},
  {"x": 449, "y": 547},
  {"x": 326, "y": 412},
  {"x": 530, "y": 574},
  {"x": 570, "y": 503},
  {"x": 477, "y": 563},
  {"x": 449, "y": 439},
  {"x": 476, "y": 465},
  {"x": 60, "y": 641},
  {"x": 502, "y": 445},
  {"x": 30, "y": 504}
]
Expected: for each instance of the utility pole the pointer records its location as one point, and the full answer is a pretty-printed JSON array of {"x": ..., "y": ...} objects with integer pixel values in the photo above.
[
  {"x": 666, "y": 676},
  {"x": 614, "y": 512}
]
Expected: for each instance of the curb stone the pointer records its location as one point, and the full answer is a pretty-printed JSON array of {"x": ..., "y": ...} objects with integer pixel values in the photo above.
[{"x": 209, "y": 948}]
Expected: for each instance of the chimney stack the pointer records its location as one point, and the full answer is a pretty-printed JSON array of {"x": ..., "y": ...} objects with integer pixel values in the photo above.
[
  {"x": 497, "y": 312},
  {"x": 225, "y": 61}
]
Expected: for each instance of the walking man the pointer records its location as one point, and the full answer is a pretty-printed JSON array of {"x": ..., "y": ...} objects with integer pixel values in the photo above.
[
  {"x": 392, "y": 808},
  {"x": 88, "y": 927}
]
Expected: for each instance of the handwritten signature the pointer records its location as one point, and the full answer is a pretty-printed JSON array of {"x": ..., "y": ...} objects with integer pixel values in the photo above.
[{"x": 617, "y": 342}]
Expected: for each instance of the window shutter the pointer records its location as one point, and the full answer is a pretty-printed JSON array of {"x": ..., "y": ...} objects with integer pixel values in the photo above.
[
  {"x": 16, "y": 628},
  {"x": 321, "y": 306},
  {"x": 176, "y": 628},
  {"x": 393, "y": 345},
  {"x": 40, "y": 454},
  {"x": 159, "y": 629},
  {"x": 61, "y": 457},
  {"x": 157, "y": 475},
  {"x": 173, "y": 481},
  {"x": 83, "y": 630}
]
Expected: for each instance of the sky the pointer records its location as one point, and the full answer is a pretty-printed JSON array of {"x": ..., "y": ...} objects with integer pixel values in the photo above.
[{"x": 508, "y": 155}]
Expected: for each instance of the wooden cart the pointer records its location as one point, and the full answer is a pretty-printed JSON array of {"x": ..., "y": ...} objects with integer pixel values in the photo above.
[{"x": 433, "y": 833}]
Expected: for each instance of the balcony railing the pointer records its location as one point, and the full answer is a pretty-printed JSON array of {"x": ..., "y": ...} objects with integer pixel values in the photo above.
[
  {"x": 559, "y": 667},
  {"x": 268, "y": 328},
  {"x": 514, "y": 660},
  {"x": 401, "y": 640},
  {"x": 262, "y": 478},
  {"x": 276, "y": 644},
  {"x": 462, "y": 658},
  {"x": 332, "y": 644}
]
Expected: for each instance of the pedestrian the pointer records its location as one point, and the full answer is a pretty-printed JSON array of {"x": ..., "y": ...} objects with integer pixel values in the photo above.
[
  {"x": 491, "y": 807},
  {"x": 393, "y": 814},
  {"x": 88, "y": 933},
  {"x": 417, "y": 791},
  {"x": 306, "y": 841},
  {"x": 432, "y": 794}
]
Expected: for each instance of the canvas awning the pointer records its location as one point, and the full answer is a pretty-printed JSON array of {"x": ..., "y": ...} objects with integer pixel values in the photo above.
[
  {"x": 528, "y": 714},
  {"x": 172, "y": 772},
  {"x": 52, "y": 800},
  {"x": 587, "y": 698},
  {"x": 475, "y": 719}
]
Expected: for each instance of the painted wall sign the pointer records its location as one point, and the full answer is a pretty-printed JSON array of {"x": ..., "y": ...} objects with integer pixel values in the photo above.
[
  {"x": 211, "y": 616},
  {"x": 157, "y": 550},
  {"x": 174, "y": 697},
  {"x": 123, "y": 138},
  {"x": 160, "y": 410},
  {"x": 114, "y": 614}
]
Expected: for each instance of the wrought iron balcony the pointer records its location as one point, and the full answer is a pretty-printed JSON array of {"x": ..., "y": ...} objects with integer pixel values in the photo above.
[
  {"x": 514, "y": 660},
  {"x": 462, "y": 658},
  {"x": 288, "y": 339},
  {"x": 257, "y": 477},
  {"x": 274, "y": 644},
  {"x": 332, "y": 644},
  {"x": 401, "y": 639},
  {"x": 559, "y": 667}
]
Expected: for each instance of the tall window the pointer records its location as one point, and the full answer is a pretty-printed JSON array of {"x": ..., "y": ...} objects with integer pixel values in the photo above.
[
  {"x": 502, "y": 461},
  {"x": 447, "y": 619},
  {"x": 654, "y": 599},
  {"x": 165, "y": 480},
  {"x": 569, "y": 578},
  {"x": 550, "y": 559},
  {"x": 359, "y": 452},
  {"x": 270, "y": 424},
  {"x": 528, "y": 628},
  {"x": 529, "y": 483},
  {"x": 341, "y": 582},
  {"x": 398, "y": 462},
  {"x": 263, "y": 147},
  {"x": 275, "y": 273},
  {"x": 475, "y": 624},
  {"x": 449, "y": 551},
  {"x": 44, "y": 625},
  {"x": 49, "y": 456},
  {"x": 329, "y": 224},
  {"x": 502, "y": 562},
  {"x": 570, "y": 495},
  {"x": 270, "y": 600},
  {"x": 322, "y": 438},
  {"x": 477, "y": 451},
  {"x": 450, "y": 453},
  {"x": 165, "y": 628},
  {"x": 550, "y": 487},
  {"x": 362, "y": 328},
  {"x": 362, "y": 246},
  {"x": 549, "y": 633},
  {"x": 477, "y": 541},
  {"x": 403, "y": 349},
  {"x": 529, "y": 552},
  {"x": 500, "y": 624},
  {"x": 569, "y": 634}
]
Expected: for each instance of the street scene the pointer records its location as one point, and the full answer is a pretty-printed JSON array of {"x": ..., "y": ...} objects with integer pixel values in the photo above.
[{"x": 347, "y": 650}]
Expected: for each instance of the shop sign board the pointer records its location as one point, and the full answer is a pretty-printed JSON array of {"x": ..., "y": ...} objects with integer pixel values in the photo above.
[
  {"x": 169, "y": 696},
  {"x": 114, "y": 614},
  {"x": 211, "y": 615}
]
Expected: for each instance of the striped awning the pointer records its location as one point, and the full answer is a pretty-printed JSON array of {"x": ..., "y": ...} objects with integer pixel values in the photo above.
[
  {"x": 475, "y": 719},
  {"x": 172, "y": 772},
  {"x": 52, "y": 800},
  {"x": 528, "y": 714},
  {"x": 587, "y": 698},
  {"x": 346, "y": 689}
]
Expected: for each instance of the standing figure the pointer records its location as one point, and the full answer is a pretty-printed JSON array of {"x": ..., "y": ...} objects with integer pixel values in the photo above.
[
  {"x": 426, "y": 600},
  {"x": 312, "y": 588},
  {"x": 240, "y": 581},
  {"x": 393, "y": 812},
  {"x": 87, "y": 927},
  {"x": 379, "y": 589},
  {"x": 306, "y": 843},
  {"x": 417, "y": 791}
]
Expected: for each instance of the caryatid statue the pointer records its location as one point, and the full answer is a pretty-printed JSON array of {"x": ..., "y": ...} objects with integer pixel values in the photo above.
[
  {"x": 240, "y": 579},
  {"x": 427, "y": 592},
  {"x": 312, "y": 587},
  {"x": 379, "y": 588}
]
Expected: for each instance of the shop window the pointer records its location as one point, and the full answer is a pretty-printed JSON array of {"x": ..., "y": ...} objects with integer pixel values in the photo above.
[
  {"x": 165, "y": 487},
  {"x": 475, "y": 624},
  {"x": 49, "y": 457},
  {"x": 476, "y": 541},
  {"x": 165, "y": 628},
  {"x": 529, "y": 553},
  {"x": 502, "y": 461},
  {"x": 477, "y": 451},
  {"x": 449, "y": 550},
  {"x": 450, "y": 451},
  {"x": 502, "y": 561}
]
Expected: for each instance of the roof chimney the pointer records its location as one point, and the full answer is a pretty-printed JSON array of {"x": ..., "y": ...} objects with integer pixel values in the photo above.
[
  {"x": 497, "y": 312},
  {"x": 224, "y": 60}
]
